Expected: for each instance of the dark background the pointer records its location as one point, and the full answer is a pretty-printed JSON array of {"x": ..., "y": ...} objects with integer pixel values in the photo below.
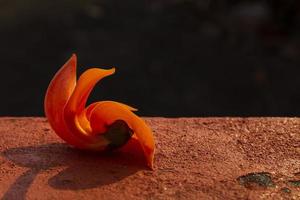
[{"x": 173, "y": 58}]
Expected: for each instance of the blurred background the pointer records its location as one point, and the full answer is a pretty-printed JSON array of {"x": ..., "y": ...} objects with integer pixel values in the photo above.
[{"x": 173, "y": 57}]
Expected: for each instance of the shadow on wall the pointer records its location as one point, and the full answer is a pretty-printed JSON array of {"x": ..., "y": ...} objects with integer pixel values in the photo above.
[{"x": 84, "y": 170}]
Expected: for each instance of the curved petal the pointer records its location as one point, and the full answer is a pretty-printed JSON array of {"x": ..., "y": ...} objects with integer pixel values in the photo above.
[
  {"x": 107, "y": 113},
  {"x": 84, "y": 118},
  {"x": 85, "y": 84},
  {"x": 74, "y": 111},
  {"x": 58, "y": 93}
]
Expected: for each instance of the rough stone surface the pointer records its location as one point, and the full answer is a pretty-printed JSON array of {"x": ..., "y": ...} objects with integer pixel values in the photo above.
[{"x": 196, "y": 158}]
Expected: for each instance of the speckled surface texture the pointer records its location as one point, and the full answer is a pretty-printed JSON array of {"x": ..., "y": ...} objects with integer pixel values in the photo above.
[{"x": 196, "y": 158}]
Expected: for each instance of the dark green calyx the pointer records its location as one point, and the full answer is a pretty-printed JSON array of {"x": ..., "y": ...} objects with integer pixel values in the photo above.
[{"x": 118, "y": 134}]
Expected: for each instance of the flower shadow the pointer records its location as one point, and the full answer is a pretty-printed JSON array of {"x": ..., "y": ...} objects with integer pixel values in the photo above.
[{"x": 83, "y": 170}]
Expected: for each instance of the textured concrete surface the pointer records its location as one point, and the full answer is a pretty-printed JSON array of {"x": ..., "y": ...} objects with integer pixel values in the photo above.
[{"x": 196, "y": 158}]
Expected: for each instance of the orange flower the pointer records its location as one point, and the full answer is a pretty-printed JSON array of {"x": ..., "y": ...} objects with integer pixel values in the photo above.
[{"x": 100, "y": 126}]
